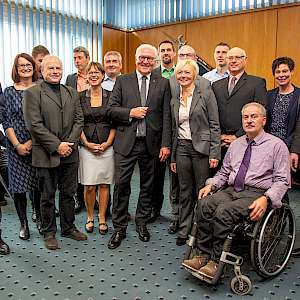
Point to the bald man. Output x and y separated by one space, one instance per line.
54 117
233 92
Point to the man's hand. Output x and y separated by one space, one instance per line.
164 153
138 112
65 149
294 159
258 207
205 191
173 167
213 163
227 139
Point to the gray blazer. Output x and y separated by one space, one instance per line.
204 121
51 122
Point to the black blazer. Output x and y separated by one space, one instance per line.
99 124
72 80
293 113
249 88
50 122
126 96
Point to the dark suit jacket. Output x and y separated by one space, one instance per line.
157 71
72 81
99 125
126 96
51 122
249 88
293 113
204 121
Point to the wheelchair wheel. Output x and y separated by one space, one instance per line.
242 286
273 241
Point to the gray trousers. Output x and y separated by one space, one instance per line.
192 169
217 214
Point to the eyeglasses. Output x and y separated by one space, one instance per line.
188 55
147 58
94 73
230 58
23 66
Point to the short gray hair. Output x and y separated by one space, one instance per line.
187 62
50 57
258 105
145 46
113 53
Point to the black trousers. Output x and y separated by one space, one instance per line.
124 167
218 213
63 177
192 170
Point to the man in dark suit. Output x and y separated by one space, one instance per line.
140 106
79 82
167 54
233 92
54 117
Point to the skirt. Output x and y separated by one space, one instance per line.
96 169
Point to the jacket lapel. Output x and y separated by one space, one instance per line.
136 89
64 94
196 97
152 84
50 94
176 110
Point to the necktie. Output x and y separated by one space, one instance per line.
141 127
239 181
231 85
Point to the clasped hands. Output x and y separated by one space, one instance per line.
258 207
97 148
24 149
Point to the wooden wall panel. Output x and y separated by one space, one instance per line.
114 39
152 36
255 32
288 37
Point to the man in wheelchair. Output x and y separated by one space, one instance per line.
255 173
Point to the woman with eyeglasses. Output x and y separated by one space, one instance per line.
96 156
21 174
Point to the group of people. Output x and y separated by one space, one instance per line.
89 134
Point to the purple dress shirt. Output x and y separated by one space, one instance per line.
269 167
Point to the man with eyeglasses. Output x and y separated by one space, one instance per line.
233 92
251 182
220 57
140 107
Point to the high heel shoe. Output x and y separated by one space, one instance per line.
89 229
24 232
103 231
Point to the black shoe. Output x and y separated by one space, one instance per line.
77 204
180 241
39 225
75 234
24 232
116 239
296 252
143 233
56 212
33 216
173 227
154 216
3 202
4 249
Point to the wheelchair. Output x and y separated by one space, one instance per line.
271 242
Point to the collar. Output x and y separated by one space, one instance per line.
238 76
168 70
189 95
107 78
217 72
258 139
82 75
139 75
